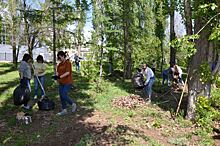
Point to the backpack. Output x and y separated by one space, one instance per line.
138 80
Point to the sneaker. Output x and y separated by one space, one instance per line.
73 107
63 112
27 107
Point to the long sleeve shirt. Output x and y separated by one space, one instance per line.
39 69
148 74
25 70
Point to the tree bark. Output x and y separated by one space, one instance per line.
172 32
188 17
127 43
196 87
54 40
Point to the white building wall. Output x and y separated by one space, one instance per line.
6 53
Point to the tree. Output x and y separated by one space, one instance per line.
188 17
198 84
81 8
160 12
172 32
12 20
127 23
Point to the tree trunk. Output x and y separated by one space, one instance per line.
14 55
196 88
127 45
54 40
162 58
101 58
188 16
172 32
14 49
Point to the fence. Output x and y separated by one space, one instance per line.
47 57
9 57
6 57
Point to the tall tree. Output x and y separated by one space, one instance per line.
197 83
161 13
81 8
127 23
172 31
12 20
188 17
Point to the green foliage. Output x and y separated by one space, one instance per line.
215 100
185 44
205 73
215 33
207 8
206 114
90 70
85 141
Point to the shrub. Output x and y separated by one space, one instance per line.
206 114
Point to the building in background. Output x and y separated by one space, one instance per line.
6 54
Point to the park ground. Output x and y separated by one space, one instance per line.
103 116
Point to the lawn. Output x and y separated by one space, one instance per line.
97 121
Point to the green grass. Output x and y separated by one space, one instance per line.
90 99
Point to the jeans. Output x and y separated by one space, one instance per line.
25 82
63 91
148 87
165 78
78 67
37 84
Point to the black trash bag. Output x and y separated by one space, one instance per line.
138 80
21 95
46 104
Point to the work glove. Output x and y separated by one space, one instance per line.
55 77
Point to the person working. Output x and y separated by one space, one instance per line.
39 73
25 75
150 78
64 78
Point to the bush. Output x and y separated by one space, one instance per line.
206 114
90 70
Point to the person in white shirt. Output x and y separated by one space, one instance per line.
150 78
39 71
177 74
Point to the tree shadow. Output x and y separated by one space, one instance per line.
8 110
6 85
82 132
168 100
6 68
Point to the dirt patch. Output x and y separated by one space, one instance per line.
98 128
102 132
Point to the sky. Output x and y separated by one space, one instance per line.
179 26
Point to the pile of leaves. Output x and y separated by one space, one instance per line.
131 101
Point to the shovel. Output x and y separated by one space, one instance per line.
41 86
